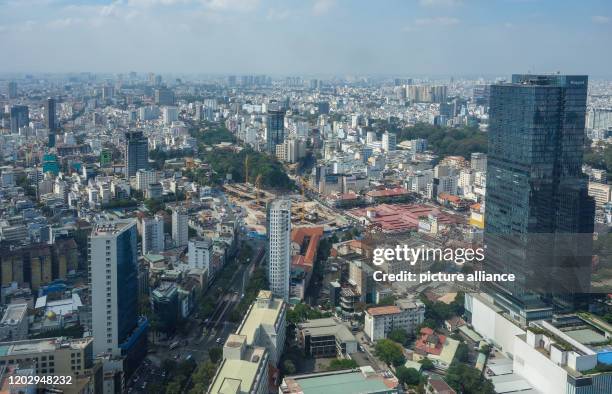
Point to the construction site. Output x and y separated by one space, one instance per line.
253 200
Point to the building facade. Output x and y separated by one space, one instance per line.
539 219
136 152
114 285
180 227
406 315
275 130
153 235
279 248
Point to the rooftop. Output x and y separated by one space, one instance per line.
363 381
36 346
238 376
111 227
402 217
327 326
14 313
384 310
261 313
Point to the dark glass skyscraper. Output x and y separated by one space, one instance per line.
12 89
275 130
20 116
136 153
539 217
50 120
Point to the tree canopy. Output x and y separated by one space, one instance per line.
408 376
390 352
399 335
467 380
446 141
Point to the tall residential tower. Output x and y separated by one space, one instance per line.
279 248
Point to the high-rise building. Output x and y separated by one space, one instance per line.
200 253
180 227
279 248
12 89
481 94
153 235
113 268
478 161
108 92
275 130
389 141
50 120
136 152
144 178
164 96
20 116
323 107
539 217
170 114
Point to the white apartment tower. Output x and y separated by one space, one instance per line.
389 141
153 235
144 178
180 228
200 253
279 248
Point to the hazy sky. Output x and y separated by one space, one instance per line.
406 37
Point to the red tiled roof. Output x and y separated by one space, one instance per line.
441 387
402 217
449 197
314 234
398 191
428 336
384 310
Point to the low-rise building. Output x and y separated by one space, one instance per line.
51 356
264 324
244 369
14 323
600 192
363 380
405 315
326 337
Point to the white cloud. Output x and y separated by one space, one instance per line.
601 19
437 21
231 5
435 3
321 7
63 23
275 14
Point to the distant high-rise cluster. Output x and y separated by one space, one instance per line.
426 93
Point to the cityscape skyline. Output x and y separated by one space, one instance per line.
427 37
306 197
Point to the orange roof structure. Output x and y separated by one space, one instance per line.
312 235
384 310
